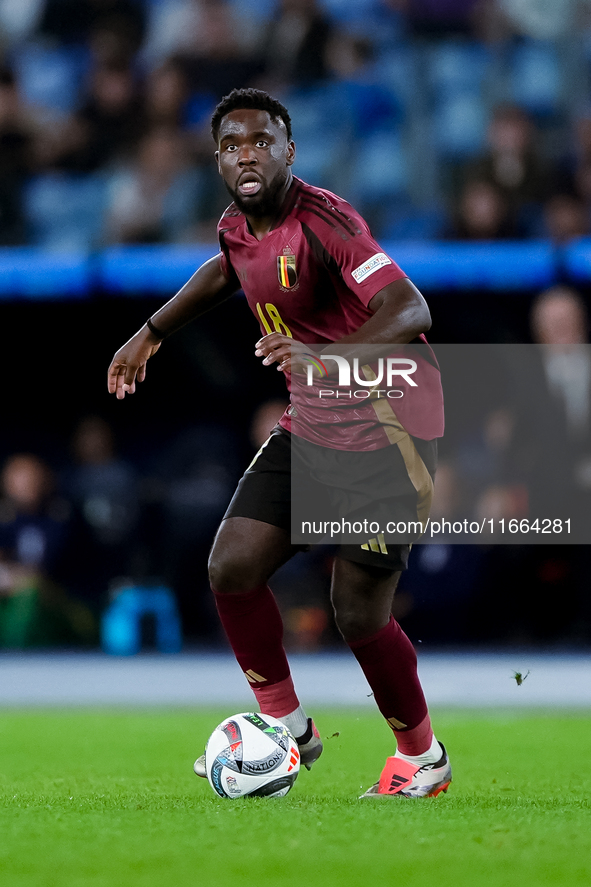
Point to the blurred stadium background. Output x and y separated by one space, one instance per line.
461 129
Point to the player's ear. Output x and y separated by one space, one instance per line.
291 152
217 160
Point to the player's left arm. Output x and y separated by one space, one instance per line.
399 315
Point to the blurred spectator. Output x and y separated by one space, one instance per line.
104 488
565 218
293 46
16 138
500 502
116 31
582 182
444 576
197 473
18 20
572 183
112 115
552 404
532 456
513 162
581 140
347 54
216 45
436 18
35 528
559 317
542 22
139 65
264 420
560 322
573 169
349 60
551 447
481 213
75 21
481 455
167 94
103 131
171 100
201 28
170 27
156 197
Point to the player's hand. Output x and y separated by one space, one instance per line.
129 364
285 352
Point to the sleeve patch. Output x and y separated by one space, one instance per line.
368 268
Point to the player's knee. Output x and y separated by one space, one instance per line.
356 621
231 573
351 624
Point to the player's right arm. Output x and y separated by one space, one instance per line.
206 288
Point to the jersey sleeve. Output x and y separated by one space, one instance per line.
364 266
225 266
224 260
349 249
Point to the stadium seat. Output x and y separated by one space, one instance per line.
459 124
311 109
166 21
535 76
121 624
379 171
456 65
397 68
367 105
51 76
379 22
345 11
456 76
319 160
18 20
263 10
406 222
65 211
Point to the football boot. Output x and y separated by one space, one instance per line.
402 779
310 745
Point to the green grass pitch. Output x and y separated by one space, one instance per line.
102 799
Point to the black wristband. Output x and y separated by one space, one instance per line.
154 329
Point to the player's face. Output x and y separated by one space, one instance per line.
254 160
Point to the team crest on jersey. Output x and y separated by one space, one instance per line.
286 272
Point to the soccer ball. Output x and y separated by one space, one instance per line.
251 754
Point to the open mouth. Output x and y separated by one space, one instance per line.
249 186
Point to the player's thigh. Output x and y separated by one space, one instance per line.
362 596
254 537
246 553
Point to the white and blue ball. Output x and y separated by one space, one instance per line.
251 754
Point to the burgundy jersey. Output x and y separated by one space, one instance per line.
312 278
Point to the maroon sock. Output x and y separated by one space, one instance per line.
254 627
389 662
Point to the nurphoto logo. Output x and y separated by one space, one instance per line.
395 366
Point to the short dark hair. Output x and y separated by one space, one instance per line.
250 98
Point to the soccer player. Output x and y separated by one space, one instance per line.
311 272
